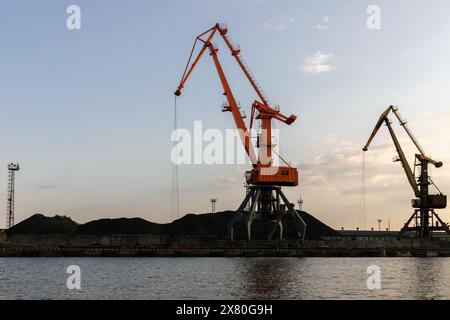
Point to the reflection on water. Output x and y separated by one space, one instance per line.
225 278
267 278
430 278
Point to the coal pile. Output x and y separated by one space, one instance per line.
202 225
40 224
207 224
120 226
316 229
215 224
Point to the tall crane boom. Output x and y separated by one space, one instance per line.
405 126
409 173
235 51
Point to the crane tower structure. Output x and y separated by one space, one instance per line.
425 218
264 199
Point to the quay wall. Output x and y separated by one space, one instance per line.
168 245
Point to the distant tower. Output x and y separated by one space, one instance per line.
213 205
379 224
300 203
12 168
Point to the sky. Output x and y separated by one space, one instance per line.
88 113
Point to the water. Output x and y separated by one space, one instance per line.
225 278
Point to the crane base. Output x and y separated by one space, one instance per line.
423 229
266 203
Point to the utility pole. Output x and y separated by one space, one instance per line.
12 168
300 203
379 224
213 205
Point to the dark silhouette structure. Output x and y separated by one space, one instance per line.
425 218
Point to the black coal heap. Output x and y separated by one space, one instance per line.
209 224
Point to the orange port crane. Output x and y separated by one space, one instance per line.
264 179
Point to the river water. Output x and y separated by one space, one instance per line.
226 278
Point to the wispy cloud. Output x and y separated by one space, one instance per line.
336 175
59 182
52 186
220 184
318 63
279 23
323 24
258 3
227 183
339 169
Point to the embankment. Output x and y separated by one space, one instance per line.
193 235
176 246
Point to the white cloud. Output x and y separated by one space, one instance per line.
279 23
323 24
258 3
318 63
332 184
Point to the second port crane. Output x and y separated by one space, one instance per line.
425 218
264 198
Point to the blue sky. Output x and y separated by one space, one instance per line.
88 113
